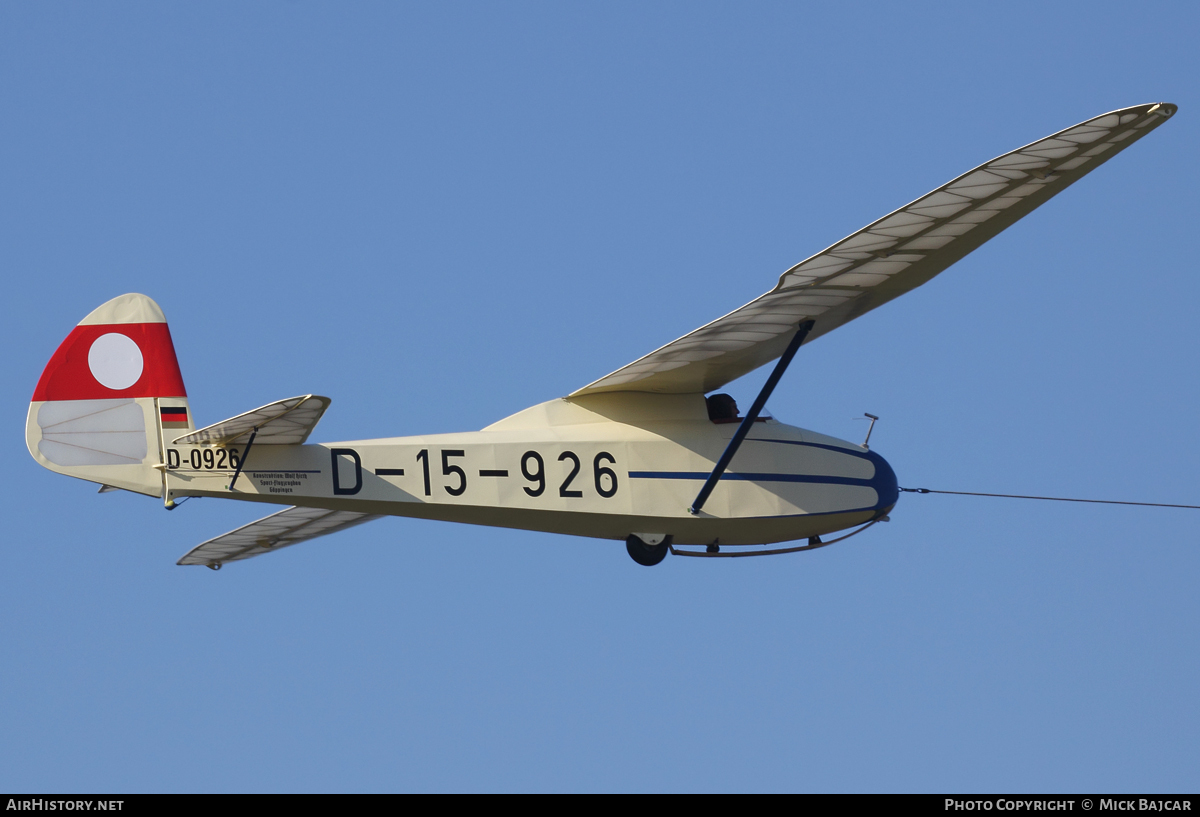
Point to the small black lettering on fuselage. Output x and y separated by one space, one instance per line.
204 459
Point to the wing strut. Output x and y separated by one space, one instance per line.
752 415
242 461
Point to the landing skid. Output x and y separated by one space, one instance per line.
713 551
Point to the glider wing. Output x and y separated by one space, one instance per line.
279 530
286 422
895 254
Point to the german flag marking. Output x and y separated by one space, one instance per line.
173 416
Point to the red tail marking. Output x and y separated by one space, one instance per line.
69 377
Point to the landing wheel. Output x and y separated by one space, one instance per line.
647 555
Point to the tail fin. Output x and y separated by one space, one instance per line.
99 410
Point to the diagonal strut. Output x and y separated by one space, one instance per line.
748 421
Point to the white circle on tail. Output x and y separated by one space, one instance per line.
115 360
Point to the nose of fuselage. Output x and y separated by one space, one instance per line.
887 489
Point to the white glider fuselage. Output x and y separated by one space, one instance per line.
602 466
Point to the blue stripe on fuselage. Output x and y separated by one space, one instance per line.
884 481
702 475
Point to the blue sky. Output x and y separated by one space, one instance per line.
439 214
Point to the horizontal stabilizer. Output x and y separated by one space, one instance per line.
288 527
286 422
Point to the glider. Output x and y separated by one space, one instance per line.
640 455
